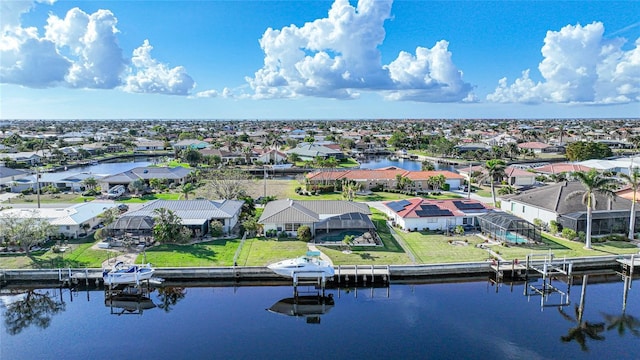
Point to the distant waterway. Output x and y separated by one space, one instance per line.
469 320
407 164
112 167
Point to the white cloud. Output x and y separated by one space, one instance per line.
80 51
579 66
92 40
338 57
154 77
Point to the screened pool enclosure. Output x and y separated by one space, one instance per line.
509 228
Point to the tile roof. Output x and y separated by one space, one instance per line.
561 168
416 207
388 173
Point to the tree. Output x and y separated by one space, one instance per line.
90 183
168 227
427 166
507 190
25 231
192 156
494 170
349 189
582 150
437 182
137 186
593 183
403 182
633 180
251 226
304 233
227 184
187 189
215 228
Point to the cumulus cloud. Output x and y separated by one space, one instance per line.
580 66
80 51
338 57
154 77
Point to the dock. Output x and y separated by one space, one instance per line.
628 265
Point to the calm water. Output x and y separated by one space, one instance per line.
111 168
382 161
473 320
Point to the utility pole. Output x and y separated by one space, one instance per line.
469 183
38 185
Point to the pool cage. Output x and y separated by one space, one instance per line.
602 222
510 228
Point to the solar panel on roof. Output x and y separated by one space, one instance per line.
468 206
429 207
436 212
398 205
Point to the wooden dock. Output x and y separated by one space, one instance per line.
363 273
628 265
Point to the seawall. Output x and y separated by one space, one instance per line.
261 274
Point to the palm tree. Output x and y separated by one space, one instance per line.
633 180
594 183
187 189
494 169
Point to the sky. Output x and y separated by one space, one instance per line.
271 60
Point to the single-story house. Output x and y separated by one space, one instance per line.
8 175
385 177
29 157
536 146
310 151
72 222
559 168
149 145
176 175
324 217
190 144
272 156
195 214
547 203
421 214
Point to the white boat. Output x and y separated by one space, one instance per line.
303 267
127 274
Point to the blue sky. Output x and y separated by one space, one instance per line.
319 59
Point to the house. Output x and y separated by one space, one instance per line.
324 217
225 156
419 214
559 168
272 156
8 175
519 177
384 177
176 175
311 151
550 203
189 144
535 146
149 145
73 221
195 215
29 157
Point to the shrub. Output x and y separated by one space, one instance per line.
215 228
304 233
569 234
554 227
446 187
539 223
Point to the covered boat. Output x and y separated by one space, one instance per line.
127 274
303 267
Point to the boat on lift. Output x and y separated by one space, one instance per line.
308 307
309 266
127 274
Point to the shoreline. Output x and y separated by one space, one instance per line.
259 274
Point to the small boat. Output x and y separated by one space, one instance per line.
127 274
129 304
303 267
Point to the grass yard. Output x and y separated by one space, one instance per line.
435 248
213 253
76 256
565 248
262 251
149 197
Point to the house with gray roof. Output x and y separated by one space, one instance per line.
72 221
8 175
310 151
610 216
195 214
324 217
176 175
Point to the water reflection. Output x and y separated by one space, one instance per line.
31 307
553 294
128 305
170 296
309 307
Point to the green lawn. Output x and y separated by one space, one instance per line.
212 253
435 248
348 163
565 248
76 256
145 198
262 251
